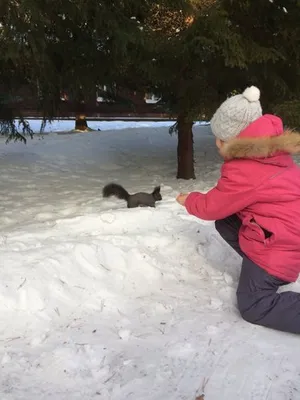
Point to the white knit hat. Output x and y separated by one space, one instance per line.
236 113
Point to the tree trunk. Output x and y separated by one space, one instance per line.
80 121
185 149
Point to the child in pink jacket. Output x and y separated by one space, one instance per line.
256 208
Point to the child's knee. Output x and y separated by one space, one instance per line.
219 225
248 308
249 316
225 231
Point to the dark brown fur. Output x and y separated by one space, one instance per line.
140 199
288 142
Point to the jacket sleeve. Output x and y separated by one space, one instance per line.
228 197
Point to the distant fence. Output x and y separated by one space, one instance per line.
34 114
134 105
103 112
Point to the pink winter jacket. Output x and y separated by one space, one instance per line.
261 184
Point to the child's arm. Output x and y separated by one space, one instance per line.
225 199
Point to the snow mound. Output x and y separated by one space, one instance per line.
103 302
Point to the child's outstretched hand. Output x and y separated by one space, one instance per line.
181 198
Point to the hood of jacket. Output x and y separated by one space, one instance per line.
263 138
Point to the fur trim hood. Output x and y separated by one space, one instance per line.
262 147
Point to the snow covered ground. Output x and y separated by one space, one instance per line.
68 125
99 301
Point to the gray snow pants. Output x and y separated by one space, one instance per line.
257 297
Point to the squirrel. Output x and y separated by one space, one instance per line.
139 199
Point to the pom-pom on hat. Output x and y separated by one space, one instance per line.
236 113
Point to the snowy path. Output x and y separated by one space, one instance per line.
101 302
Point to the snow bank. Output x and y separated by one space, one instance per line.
68 125
103 302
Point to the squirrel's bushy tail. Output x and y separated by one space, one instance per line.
113 189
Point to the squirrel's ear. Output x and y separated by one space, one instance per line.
156 189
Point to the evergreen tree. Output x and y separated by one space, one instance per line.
66 44
192 52
213 48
